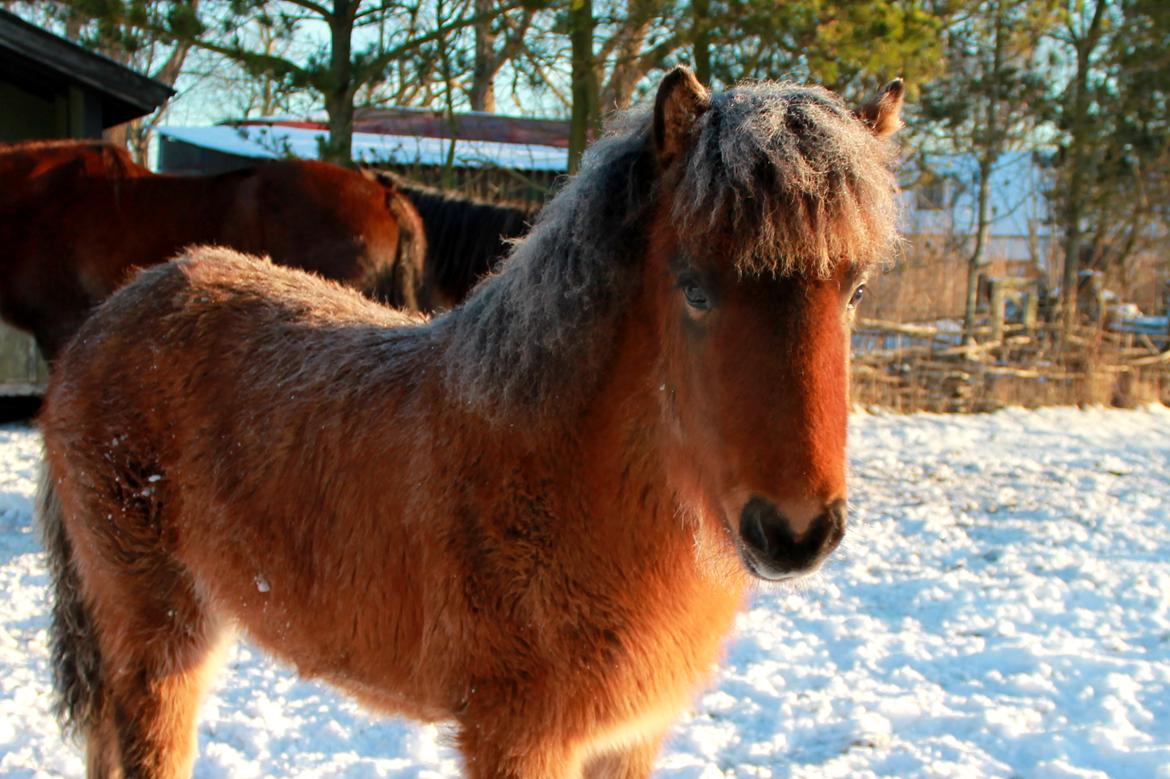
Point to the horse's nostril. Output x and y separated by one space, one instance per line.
770 548
764 528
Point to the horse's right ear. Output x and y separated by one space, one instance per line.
681 101
883 113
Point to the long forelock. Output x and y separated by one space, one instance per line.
784 179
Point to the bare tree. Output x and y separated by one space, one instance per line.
984 104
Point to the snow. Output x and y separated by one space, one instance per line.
1001 607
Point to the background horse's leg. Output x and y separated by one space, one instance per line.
633 762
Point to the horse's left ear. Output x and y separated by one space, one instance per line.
681 101
883 112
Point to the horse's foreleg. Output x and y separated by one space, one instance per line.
103 758
632 762
154 710
491 755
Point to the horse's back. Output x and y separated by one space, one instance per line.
23 163
212 299
334 222
183 335
331 220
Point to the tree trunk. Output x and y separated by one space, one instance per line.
483 93
1072 224
627 69
338 87
975 262
584 90
1079 127
991 141
700 14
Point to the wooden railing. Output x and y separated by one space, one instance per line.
913 367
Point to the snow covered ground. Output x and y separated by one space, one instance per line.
1001 608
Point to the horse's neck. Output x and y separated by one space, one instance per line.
638 517
533 342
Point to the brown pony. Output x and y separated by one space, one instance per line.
77 218
536 515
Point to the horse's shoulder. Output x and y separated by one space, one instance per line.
212 262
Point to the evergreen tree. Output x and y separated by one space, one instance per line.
1113 118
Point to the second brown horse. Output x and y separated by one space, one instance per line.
77 218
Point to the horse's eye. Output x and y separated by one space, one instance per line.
858 294
696 296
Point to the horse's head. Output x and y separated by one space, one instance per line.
773 202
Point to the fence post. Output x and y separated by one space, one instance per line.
997 311
1031 307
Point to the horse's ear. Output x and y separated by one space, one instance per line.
883 112
681 101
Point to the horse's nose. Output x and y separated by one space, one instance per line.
773 550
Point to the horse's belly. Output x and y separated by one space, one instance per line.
389 701
386 680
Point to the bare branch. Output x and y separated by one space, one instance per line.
371 70
309 5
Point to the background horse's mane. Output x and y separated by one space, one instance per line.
53 143
783 178
466 236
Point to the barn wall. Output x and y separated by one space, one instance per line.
27 115
185 159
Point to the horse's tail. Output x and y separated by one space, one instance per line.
403 283
76 661
412 249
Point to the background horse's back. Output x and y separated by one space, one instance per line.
76 219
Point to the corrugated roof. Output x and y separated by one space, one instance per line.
473 125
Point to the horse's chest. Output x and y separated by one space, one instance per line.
651 667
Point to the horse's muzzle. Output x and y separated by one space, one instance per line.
772 551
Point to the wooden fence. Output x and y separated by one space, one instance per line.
926 368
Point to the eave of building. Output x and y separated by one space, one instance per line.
32 53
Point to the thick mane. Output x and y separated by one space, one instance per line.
782 178
786 179
21 147
518 340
